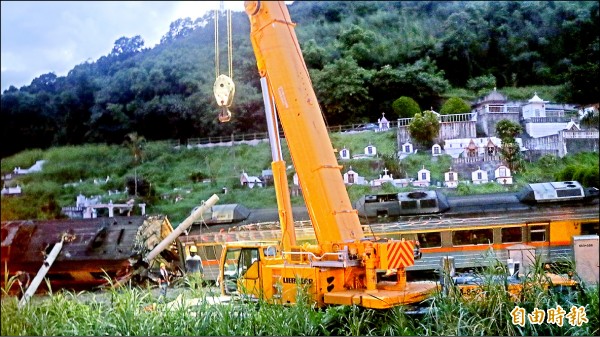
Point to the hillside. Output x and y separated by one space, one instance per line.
361 55
173 180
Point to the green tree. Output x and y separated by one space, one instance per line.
455 105
424 81
357 43
406 107
314 54
46 82
127 46
459 48
483 83
341 88
424 127
178 29
507 130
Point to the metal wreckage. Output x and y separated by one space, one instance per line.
84 254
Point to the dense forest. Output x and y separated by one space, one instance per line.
362 55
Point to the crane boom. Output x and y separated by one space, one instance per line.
280 60
343 267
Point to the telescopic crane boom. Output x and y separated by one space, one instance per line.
342 268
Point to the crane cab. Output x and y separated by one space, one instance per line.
242 267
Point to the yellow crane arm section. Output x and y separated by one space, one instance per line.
280 60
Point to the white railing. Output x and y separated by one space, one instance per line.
580 134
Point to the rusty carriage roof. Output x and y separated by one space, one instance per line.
98 246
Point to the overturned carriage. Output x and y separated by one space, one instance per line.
95 252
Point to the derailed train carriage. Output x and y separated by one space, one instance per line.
95 252
544 216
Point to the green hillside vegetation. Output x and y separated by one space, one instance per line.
361 55
166 174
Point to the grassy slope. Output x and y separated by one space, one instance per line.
169 172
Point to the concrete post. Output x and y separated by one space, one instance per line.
182 227
41 273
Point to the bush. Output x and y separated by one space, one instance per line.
482 83
455 105
406 107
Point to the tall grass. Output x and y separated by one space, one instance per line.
138 311
489 312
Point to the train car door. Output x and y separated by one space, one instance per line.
590 228
211 255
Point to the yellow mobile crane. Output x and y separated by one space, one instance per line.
341 269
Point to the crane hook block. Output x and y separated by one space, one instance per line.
224 90
224 115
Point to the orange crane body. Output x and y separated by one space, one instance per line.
342 269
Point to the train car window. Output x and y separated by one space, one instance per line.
231 270
209 252
202 252
428 203
370 198
410 204
247 258
409 237
568 193
472 237
381 197
512 234
538 233
589 228
394 236
430 240
270 251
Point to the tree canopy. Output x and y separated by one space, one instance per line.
455 105
507 130
424 127
362 56
406 107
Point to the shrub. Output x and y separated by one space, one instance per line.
406 107
455 105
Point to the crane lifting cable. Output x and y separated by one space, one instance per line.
224 88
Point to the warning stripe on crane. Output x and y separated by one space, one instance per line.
400 254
